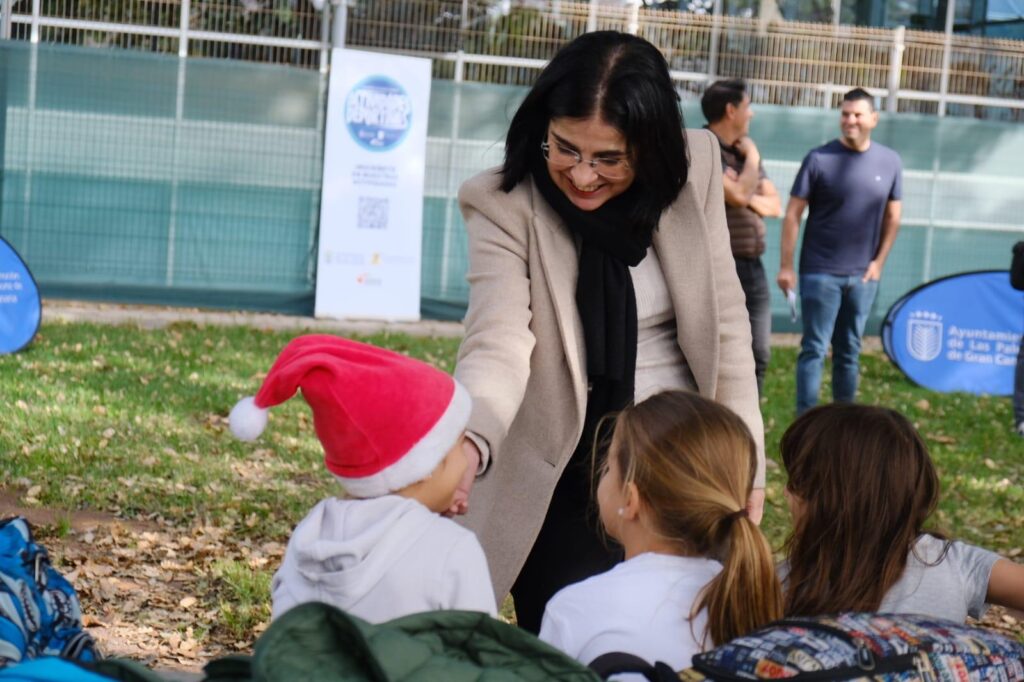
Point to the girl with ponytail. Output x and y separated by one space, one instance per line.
697 572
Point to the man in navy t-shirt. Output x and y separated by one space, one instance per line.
853 188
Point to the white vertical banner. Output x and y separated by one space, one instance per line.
371 206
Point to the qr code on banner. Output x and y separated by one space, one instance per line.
373 213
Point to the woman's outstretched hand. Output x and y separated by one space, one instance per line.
460 502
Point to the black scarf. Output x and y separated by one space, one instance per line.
604 292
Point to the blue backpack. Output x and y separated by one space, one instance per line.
39 611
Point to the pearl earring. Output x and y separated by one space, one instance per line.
621 511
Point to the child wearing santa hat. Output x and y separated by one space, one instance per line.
391 428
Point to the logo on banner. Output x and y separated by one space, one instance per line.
924 335
378 113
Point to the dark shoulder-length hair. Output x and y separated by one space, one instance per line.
866 487
624 80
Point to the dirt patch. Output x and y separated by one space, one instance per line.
149 590
73 520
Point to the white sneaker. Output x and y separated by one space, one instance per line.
1020 429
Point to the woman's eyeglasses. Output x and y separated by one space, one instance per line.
563 158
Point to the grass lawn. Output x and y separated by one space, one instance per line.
132 422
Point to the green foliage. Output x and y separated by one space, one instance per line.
245 596
971 440
132 421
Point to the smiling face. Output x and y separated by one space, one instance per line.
857 120
592 138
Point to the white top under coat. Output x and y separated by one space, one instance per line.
641 607
660 365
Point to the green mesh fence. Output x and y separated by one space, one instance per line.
963 194
135 177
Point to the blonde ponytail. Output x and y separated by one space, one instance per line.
693 462
746 594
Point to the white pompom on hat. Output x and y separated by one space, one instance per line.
385 420
246 420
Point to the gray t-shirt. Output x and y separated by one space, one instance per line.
952 588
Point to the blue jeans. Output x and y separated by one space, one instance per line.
836 308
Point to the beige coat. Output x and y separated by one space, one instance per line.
522 358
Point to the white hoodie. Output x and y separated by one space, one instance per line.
382 558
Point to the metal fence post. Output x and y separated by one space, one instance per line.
947 49
896 68
634 17
592 17
716 18
36 11
5 19
463 23
30 149
316 159
186 9
451 182
340 27
325 37
450 185
172 218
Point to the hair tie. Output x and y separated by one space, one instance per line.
738 514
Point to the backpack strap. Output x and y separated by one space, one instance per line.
618 662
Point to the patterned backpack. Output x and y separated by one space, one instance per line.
863 645
39 610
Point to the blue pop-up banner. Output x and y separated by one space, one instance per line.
20 310
958 333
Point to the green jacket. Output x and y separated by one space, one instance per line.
319 642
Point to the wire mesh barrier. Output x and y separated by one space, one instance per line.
962 203
280 32
144 177
789 63
147 177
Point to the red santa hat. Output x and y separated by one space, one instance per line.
385 421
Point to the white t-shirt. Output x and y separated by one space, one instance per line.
640 607
660 365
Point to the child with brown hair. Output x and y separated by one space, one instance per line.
861 487
697 570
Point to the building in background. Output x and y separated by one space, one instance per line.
989 18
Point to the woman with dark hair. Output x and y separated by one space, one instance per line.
600 273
